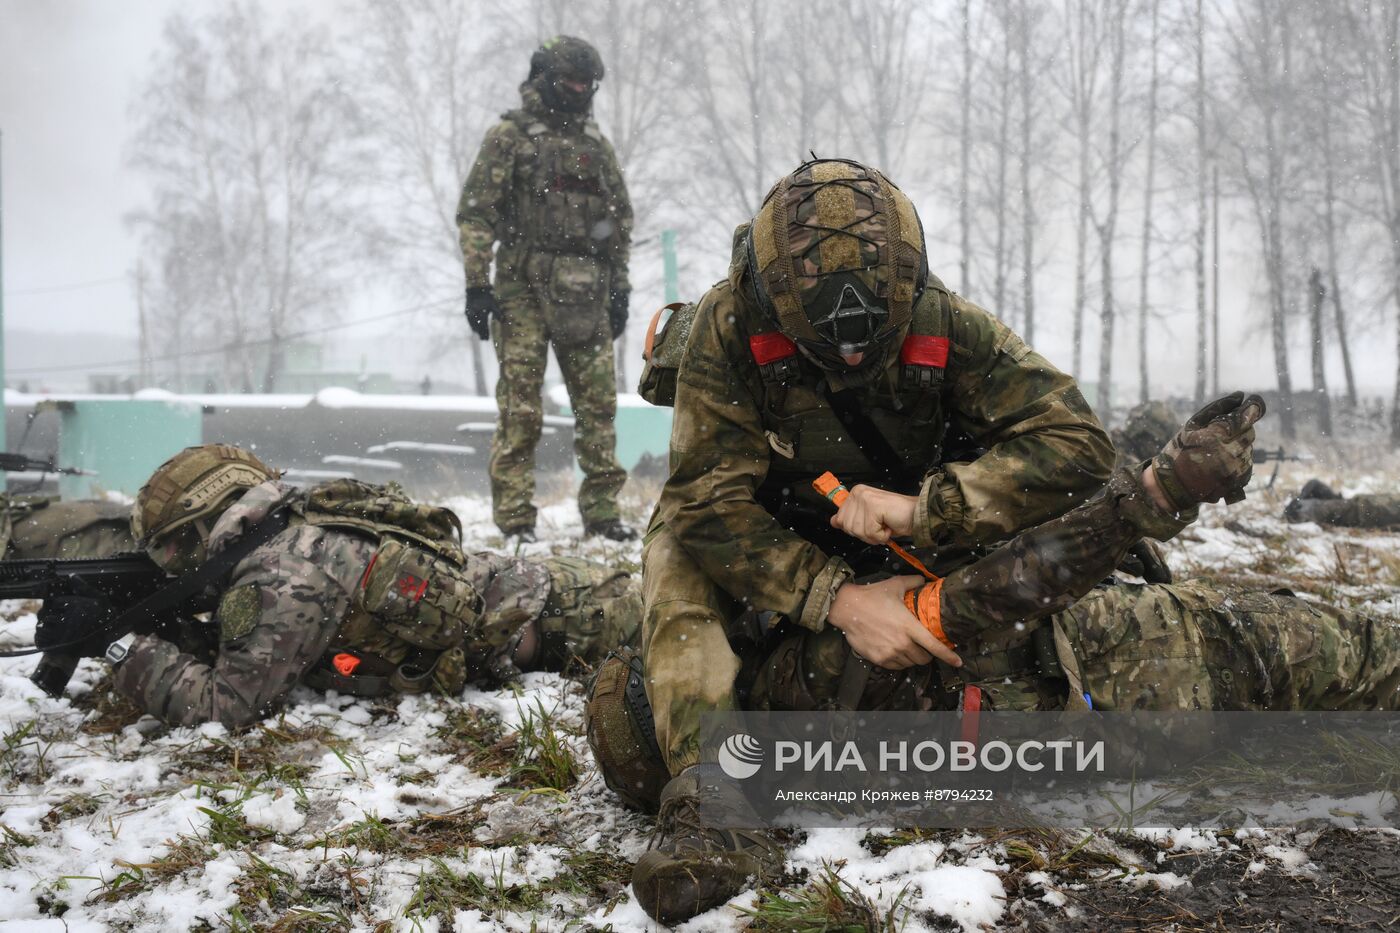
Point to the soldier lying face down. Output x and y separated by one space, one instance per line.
360 590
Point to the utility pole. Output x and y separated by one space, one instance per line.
143 373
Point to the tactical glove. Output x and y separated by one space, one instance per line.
75 625
481 308
1210 457
617 311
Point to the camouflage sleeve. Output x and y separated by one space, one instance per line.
485 201
1049 567
1045 448
275 620
719 457
621 206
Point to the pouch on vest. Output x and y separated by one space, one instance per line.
665 345
416 595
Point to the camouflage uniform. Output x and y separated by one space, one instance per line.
1318 503
546 186
34 527
738 530
1128 646
291 600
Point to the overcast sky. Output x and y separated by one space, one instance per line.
69 69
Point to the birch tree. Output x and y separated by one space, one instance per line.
250 145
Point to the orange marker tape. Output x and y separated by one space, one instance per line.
829 486
924 604
345 663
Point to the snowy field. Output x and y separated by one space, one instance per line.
486 813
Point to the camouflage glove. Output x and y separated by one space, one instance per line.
617 311
481 308
1210 457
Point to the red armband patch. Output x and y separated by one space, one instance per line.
924 351
770 348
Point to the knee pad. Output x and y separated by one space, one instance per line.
622 733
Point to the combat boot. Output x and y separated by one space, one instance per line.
693 867
611 528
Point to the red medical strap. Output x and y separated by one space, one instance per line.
771 347
919 350
971 711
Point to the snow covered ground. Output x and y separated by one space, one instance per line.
485 813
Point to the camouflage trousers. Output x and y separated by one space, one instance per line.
1145 646
591 610
583 346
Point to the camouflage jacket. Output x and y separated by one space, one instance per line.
282 608
543 182
738 447
1048 568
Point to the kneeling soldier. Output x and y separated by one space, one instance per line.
360 590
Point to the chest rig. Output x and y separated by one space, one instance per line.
795 393
416 604
562 198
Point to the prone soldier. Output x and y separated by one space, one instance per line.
1318 502
40 526
547 187
353 587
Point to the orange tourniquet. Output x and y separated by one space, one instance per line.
924 604
828 485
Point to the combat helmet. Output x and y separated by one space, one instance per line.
192 488
837 259
566 70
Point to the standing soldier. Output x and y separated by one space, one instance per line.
546 186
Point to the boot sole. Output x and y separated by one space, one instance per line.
686 891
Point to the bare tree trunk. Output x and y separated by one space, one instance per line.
1317 295
1001 263
1145 273
1108 229
1215 279
1200 202
1330 226
965 160
1028 219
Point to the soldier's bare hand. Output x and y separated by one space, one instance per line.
876 515
881 630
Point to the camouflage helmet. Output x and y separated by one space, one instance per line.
197 483
838 260
1145 432
566 59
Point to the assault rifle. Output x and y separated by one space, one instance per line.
23 463
91 602
85 605
1277 457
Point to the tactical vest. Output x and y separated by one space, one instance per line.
906 406
415 606
562 200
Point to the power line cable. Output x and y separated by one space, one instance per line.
73 287
233 345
